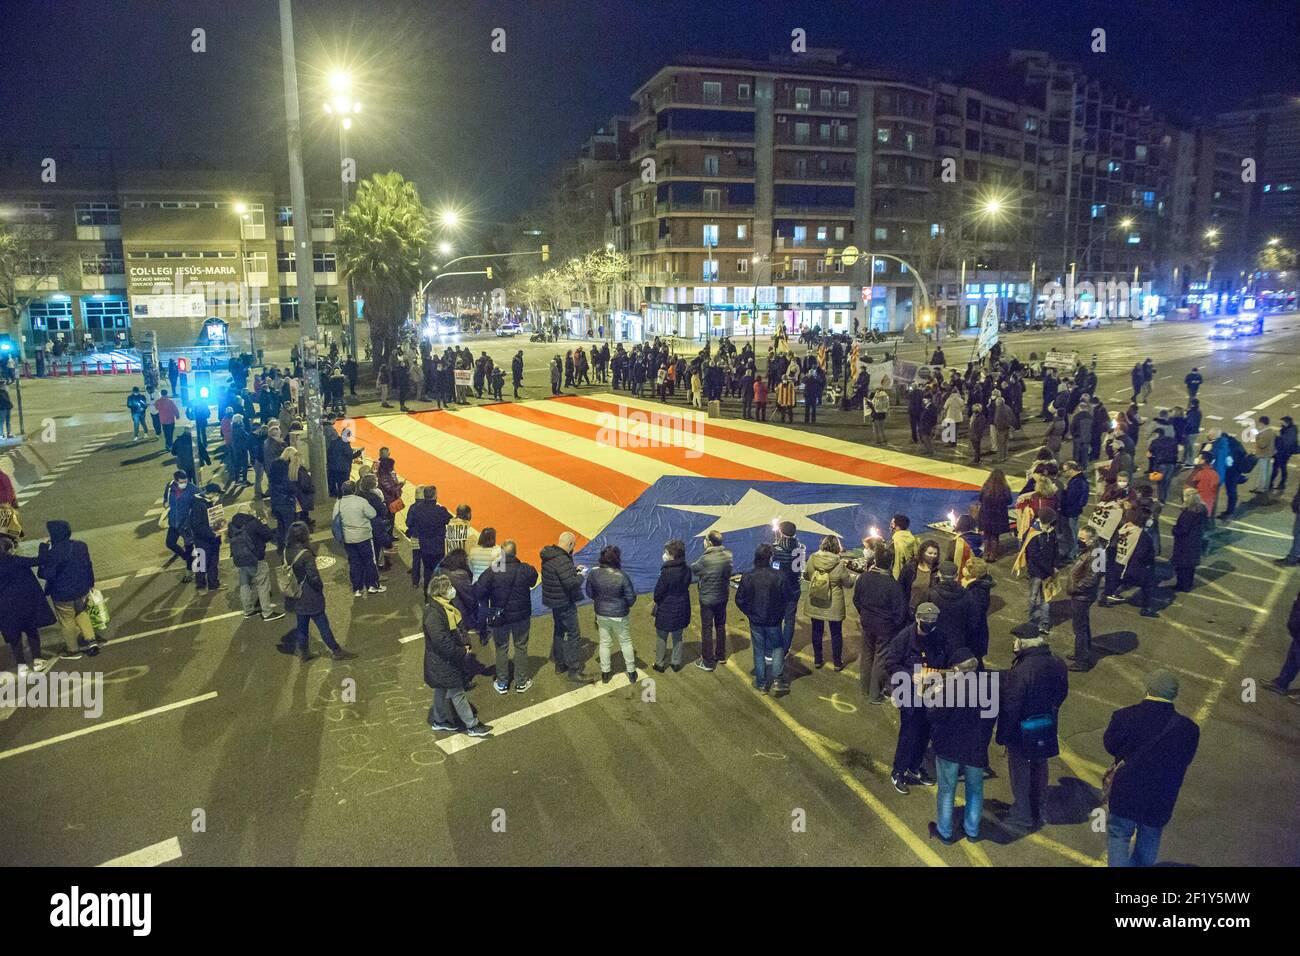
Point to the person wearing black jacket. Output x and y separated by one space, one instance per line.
309 606
517 371
69 577
562 592
1189 532
672 607
26 610
882 609
762 597
1154 746
1032 693
1081 587
339 456
712 574
249 536
205 531
426 525
1281 684
1130 561
960 734
445 658
913 650
956 625
1162 458
508 594
1074 498
1040 565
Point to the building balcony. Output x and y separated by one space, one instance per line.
36 283
835 212
670 207
824 145
701 136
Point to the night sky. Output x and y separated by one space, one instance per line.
485 130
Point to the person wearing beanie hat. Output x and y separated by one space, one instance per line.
1153 745
1039 560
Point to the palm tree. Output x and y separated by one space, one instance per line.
383 243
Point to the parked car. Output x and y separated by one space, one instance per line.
508 328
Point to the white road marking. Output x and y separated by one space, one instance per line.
410 637
155 855
1226 381
1215 418
172 627
95 728
528 715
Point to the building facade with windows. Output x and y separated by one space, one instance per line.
117 252
1267 131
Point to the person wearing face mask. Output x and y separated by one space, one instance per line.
1130 560
445 656
916 646
178 497
920 573
672 607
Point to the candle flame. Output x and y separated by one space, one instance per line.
952 518
874 532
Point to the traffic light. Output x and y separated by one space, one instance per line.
489 272
546 253
203 384
182 365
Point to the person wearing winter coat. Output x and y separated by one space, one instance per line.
1004 419
390 486
26 609
994 504
562 592
979 430
507 587
920 573
975 578
282 483
762 596
611 591
382 524
953 411
339 456
902 542
206 527
956 609
1130 560
354 514
177 498
249 537
445 659
827 578
1031 694
1189 533
309 606
879 411
960 733
69 576
672 607
712 572
914 649
1154 745
426 525
882 609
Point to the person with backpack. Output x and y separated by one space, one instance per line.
1153 745
672 607
207 523
249 536
69 577
827 577
445 657
306 592
1032 693
507 587
712 573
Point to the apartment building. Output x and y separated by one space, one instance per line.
1267 130
122 251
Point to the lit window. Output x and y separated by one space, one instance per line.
1134 239
710 270
880 233
800 233
742 230
839 232
821 233
802 98
712 92
711 235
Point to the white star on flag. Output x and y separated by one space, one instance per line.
756 509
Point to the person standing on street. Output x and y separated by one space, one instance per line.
506 586
1189 536
1265 449
26 609
135 403
1032 693
562 592
1193 381
517 371
827 578
1288 443
712 572
960 734
353 516
339 456
207 523
69 576
1074 498
672 607
762 597
1081 432
1292 557
910 654
426 525
167 415
249 536
178 496
1038 558
1081 588
445 657
882 609
611 591
1281 684
1004 420
1153 745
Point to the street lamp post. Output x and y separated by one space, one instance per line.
342 105
241 210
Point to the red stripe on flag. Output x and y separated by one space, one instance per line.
531 528
874 471
596 479
706 466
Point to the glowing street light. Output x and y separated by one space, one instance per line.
450 218
1211 233
444 248
1126 223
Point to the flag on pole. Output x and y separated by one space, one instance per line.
988 330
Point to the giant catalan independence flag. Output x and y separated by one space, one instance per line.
620 470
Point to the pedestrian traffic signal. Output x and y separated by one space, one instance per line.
546 253
182 365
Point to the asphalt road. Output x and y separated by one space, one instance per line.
214 747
